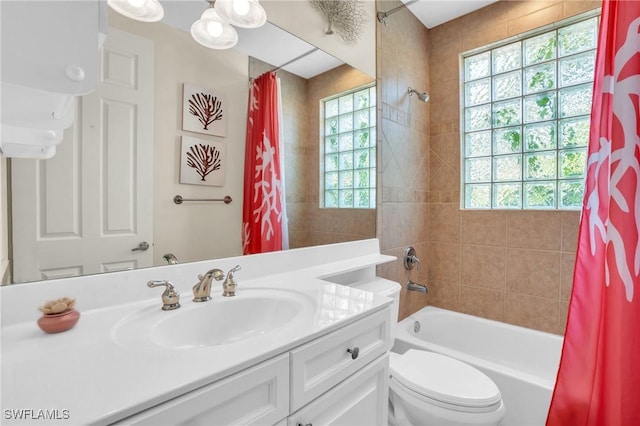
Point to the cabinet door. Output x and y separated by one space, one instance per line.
321 364
362 399
256 396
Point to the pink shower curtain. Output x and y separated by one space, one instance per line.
264 214
599 378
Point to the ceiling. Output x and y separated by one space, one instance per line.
259 42
435 12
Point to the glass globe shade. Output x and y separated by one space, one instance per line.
136 3
254 17
139 10
241 7
213 32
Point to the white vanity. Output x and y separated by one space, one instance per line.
293 347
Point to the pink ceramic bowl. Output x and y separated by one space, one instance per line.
57 323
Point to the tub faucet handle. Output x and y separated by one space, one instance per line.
411 259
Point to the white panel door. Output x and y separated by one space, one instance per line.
85 209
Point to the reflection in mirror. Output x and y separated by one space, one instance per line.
108 192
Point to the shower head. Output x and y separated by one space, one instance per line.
423 96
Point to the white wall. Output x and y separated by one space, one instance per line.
193 231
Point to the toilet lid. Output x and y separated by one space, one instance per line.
444 379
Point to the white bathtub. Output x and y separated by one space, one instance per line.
522 362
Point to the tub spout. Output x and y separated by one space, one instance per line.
422 288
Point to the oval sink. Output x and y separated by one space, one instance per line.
222 321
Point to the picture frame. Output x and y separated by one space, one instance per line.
204 111
202 162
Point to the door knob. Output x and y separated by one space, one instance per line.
141 247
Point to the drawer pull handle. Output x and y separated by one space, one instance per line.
354 352
301 424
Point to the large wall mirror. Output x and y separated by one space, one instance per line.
110 187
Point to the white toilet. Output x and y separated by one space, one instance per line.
426 388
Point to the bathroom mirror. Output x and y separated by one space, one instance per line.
194 230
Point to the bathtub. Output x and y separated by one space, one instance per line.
522 362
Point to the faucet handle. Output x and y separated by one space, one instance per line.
230 284
411 259
170 297
234 269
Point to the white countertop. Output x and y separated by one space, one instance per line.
98 380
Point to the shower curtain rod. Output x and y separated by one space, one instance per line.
382 16
297 58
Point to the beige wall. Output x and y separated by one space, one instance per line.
513 266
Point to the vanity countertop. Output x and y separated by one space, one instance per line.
88 375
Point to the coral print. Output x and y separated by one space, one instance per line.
204 111
206 108
202 162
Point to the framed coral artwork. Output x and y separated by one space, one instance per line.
203 111
202 162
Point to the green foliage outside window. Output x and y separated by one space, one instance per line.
535 138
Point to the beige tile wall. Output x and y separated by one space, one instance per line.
511 266
403 141
308 224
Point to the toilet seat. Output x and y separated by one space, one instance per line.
444 380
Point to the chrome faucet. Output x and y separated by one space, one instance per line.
230 284
202 289
422 288
170 258
170 297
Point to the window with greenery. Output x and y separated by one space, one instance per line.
526 120
348 151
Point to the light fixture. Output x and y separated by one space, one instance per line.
242 13
140 10
212 31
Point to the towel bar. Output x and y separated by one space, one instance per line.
178 199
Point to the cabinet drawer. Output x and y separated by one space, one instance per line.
258 395
320 365
362 399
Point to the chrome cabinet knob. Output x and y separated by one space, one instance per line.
354 352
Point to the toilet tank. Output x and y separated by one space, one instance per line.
365 279
384 287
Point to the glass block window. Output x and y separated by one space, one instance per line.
348 151
526 120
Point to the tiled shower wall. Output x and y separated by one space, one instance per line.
403 141
308 224
513 266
